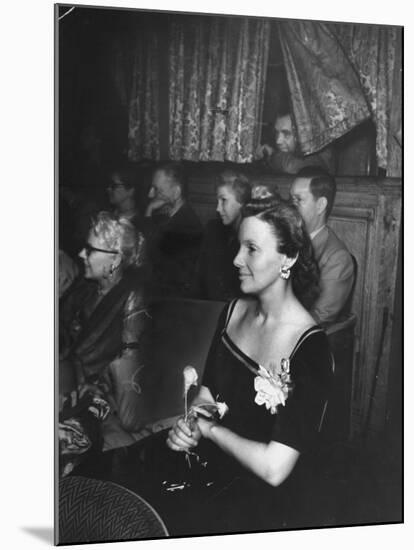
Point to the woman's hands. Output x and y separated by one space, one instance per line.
186 434
205 425
183 435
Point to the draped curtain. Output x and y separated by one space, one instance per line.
136 73
144 101
374 51
217 79
327 99
339 75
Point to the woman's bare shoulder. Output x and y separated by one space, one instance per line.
302 317
243 306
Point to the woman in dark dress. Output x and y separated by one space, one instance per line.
269 363
217 276
270 366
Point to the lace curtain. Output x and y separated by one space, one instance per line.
217 78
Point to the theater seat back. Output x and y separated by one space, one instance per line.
182 333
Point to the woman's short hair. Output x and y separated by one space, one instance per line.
126 174
238 183
293 240
120 234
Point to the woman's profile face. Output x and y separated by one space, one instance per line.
228 207
117 192
97 263
258 260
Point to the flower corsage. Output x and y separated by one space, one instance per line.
273 386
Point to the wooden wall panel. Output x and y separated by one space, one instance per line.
367 217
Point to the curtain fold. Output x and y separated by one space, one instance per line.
136 74
373 51
338 74
217 79
143 133
326 95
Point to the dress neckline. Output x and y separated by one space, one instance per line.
236 350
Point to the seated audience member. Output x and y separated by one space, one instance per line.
68 272
313 192
174 233
121 194
285 157
270 366
103 342
217 276
77 206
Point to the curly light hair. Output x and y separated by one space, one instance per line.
119 234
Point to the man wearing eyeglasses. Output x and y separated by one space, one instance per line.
174 232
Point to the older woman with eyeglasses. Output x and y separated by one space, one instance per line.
104 327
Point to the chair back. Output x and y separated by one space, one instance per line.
91 510
183 330
341 336
341 339
346 310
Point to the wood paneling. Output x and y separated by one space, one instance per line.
367 217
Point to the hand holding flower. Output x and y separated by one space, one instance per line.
197 420
212 410
207 415
184 435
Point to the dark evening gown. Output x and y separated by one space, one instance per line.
218 495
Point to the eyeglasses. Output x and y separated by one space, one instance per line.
89 249
114 185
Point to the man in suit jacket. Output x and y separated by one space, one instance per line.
173 232
313 191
